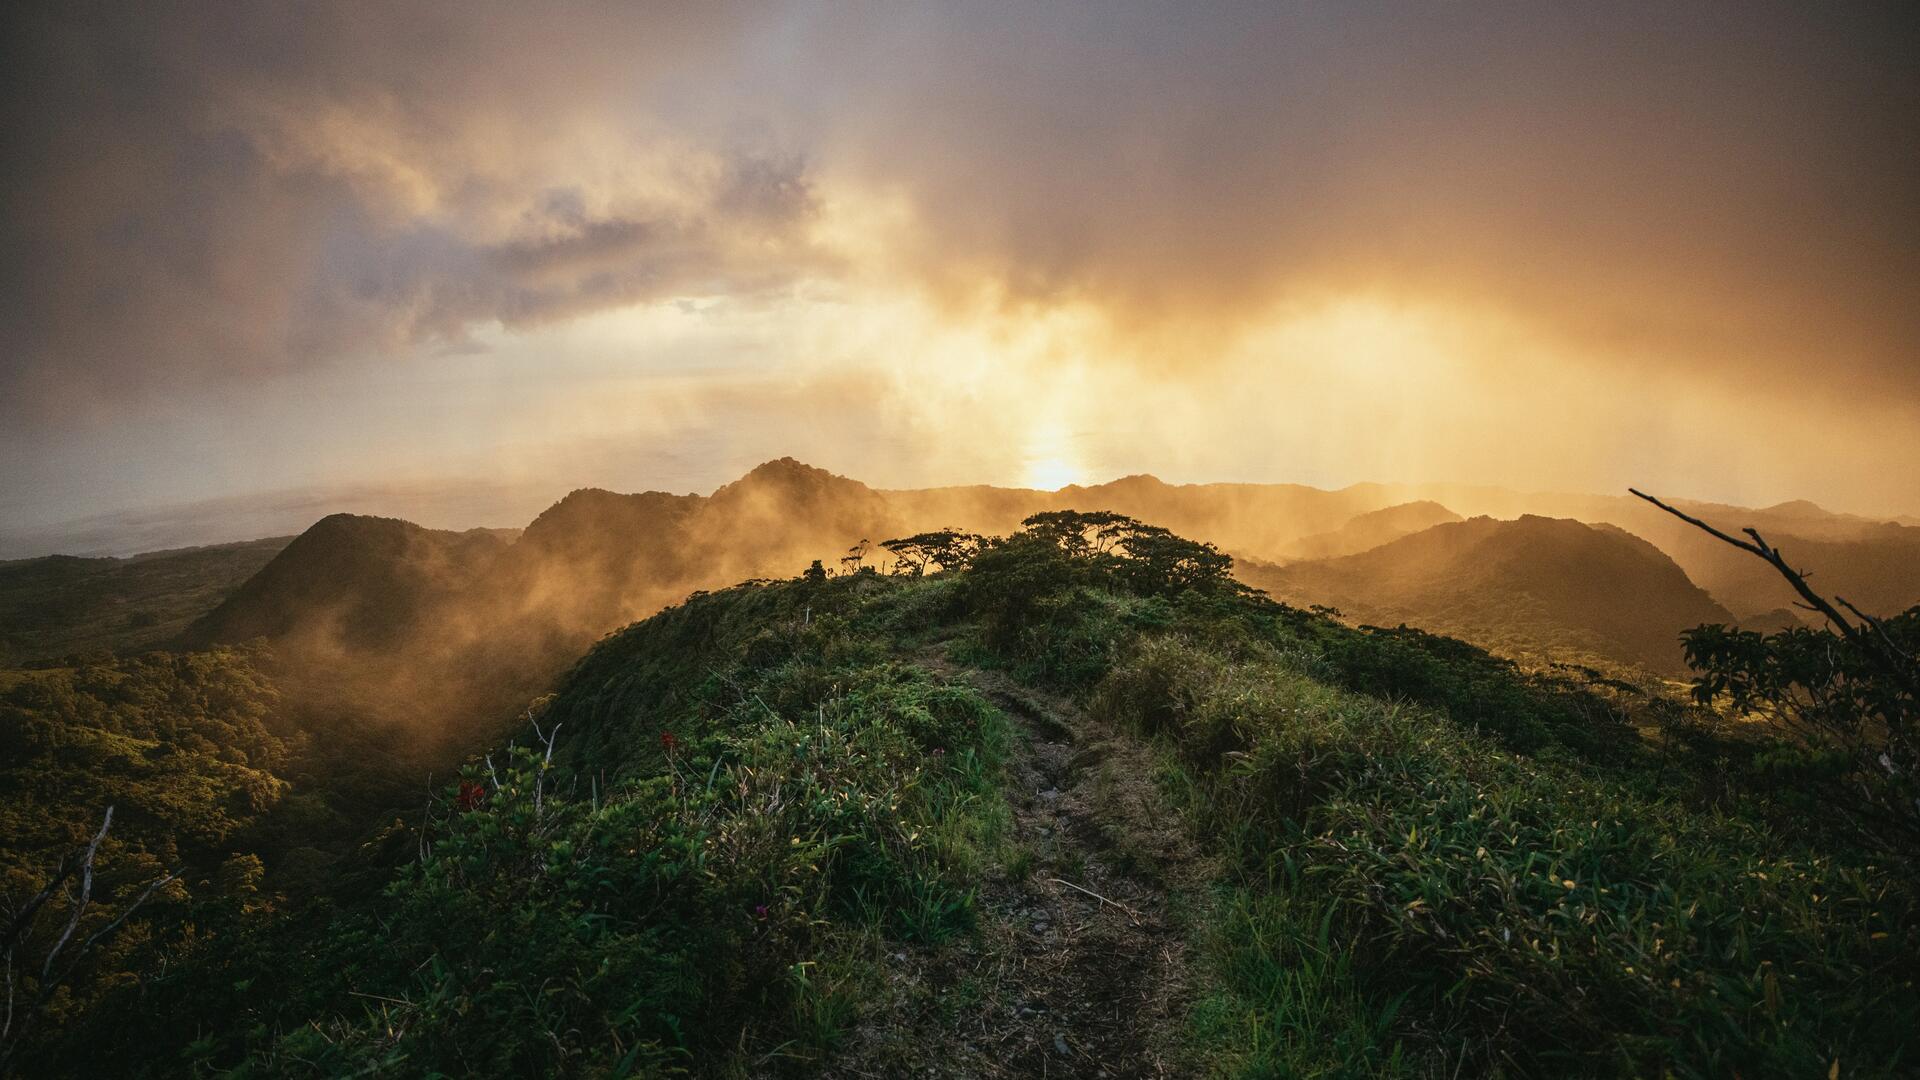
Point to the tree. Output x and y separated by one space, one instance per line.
947 549
850 563
1159 563
1849 694
1081 533
1149 559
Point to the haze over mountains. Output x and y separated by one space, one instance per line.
396 651
424 626
1534 585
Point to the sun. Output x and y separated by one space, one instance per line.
1049 474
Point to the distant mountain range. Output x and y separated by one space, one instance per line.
1543 586
1364 532
1559 577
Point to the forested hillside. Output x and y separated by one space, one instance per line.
57 605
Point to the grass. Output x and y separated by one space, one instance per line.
1409 893
1430 863
764 805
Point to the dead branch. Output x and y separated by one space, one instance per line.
21 924
1772 555
86 892
1891 660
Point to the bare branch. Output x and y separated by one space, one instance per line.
17 929
1880 650
1761 548
1879 625
50 980
86 892
144 896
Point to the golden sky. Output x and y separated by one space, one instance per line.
260 247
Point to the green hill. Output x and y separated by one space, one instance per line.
59 605
1535 587
1078 805
350 582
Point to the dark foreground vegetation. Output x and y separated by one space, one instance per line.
712 848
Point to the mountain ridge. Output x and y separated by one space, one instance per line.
512 612
1551 586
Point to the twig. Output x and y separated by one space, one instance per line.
1879 625
1759 546
110 927
1131 913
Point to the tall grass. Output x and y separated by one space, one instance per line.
1423 893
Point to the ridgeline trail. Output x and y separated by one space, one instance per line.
1079 965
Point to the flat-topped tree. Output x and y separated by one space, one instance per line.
945 549
1148 558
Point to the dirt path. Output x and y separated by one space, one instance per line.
1079 968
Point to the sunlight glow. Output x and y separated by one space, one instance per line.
1049 474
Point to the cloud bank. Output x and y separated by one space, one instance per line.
1711 213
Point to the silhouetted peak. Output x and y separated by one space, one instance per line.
1420 505
787 477
1532 582
351 522
596 516
358 530
1135 482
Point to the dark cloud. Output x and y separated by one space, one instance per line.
212 192
1731 186
226 189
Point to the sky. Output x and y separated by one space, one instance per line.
466 257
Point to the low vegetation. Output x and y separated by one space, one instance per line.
701 852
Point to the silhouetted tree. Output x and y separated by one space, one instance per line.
1850 693
850 563
1081 532
947 549
1147 558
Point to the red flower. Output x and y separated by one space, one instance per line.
668 742
471 795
